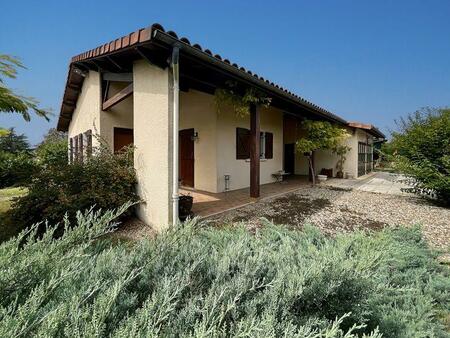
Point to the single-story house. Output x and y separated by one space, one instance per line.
155 90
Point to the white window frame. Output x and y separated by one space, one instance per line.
262 145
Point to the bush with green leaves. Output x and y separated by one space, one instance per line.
105 180
16 169
16 159
421 149
194 281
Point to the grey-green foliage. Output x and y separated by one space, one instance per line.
201 282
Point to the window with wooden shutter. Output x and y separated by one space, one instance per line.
71 150
268 152
80 148
242 143
88 135
75 150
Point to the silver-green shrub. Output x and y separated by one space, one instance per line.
195 281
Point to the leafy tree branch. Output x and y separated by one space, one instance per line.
321 135
11 102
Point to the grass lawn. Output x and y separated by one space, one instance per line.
6 195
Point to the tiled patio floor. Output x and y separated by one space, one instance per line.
207 204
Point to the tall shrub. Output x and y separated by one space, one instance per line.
421 148
106 181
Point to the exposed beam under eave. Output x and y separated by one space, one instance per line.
115 63
119 97
151 58
120 77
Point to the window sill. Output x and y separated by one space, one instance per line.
261 160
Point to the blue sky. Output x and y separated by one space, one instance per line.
371 61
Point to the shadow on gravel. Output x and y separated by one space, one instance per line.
290 210
293 210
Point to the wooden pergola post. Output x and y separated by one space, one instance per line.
254 151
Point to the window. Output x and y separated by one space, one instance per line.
243 144
80 147
268 149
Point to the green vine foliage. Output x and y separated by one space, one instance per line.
321 135
240 103
341 151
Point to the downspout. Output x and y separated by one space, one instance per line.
174 63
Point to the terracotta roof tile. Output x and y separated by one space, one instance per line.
145 34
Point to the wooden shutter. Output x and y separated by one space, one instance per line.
80 147
76 154
88 143
242 143
71 150
269 145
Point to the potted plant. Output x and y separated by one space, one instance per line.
341 151
185 207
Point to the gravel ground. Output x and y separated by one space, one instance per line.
133 229
337 210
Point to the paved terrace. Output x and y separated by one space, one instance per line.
208 204
376 182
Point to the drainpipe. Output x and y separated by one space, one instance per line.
174 63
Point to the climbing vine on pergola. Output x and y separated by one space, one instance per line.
240 103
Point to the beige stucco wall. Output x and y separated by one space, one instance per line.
326 159
215 149
152 140
197 111
87 111
227 164
119 116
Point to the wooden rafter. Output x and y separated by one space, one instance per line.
119 97
121 77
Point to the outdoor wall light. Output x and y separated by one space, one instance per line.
227 182
195 136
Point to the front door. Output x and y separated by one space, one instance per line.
187 157
289 158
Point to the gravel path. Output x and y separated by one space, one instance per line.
337 210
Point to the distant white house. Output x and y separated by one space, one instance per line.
156 91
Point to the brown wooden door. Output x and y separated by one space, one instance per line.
187 157
122 138
289 158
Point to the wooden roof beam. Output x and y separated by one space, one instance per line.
119 97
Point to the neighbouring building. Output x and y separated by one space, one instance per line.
155 90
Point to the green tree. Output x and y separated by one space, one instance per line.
421 150
320 135
11 102
52 136
14 143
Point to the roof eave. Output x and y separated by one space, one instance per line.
250 78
